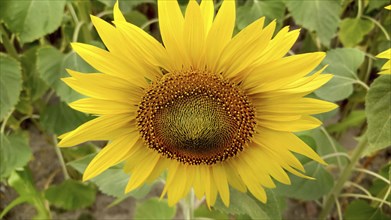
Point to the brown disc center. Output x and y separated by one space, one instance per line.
195 118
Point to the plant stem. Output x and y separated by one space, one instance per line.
9 47
345 175
189 207
60 158
83 9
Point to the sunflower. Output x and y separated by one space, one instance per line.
209 109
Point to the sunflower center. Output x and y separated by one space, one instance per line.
195 118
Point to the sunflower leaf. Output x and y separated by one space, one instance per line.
112 181
14 153
59 118
317 15
32 19
360 209
352 31
10 83
254 10
71 195
154 209
378 111
51 65
243 203
343 64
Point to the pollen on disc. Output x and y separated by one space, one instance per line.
195 118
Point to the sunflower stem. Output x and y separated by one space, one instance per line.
345 175
189 206
61 158
83 9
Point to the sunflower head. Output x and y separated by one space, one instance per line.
211 109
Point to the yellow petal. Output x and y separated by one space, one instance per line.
194 33
301 124
220 33
105 127
143 46
177 187
102 86
276 74
220 178
110 64
109 35
279 46
103 107
140 175
112 154
300 106
118 16
171 29
291 143
385 54
199 184
234 178
245 48
207 11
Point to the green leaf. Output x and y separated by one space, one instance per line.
154 209
60 118
243 203
14 153
33 84
10 83
22 182
354 119
256 9
317 15
202 212
361 210
135 17
32 19
305 189
377 4
113 181
343 64
378 111
51 65
353 30
71 195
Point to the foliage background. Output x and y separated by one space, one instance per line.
41 181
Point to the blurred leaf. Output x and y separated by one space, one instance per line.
243 203
377 4
379 187
378 110
22 182
33 83
60 118
353 30
256 9
317 15
113 181
51 65
10 83
71 195
32 19
343 64
203 212
14 153
326 144
154 209
354 119
135 17
361 210
305 189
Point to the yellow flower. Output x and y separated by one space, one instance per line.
386 68
388 7
212 110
